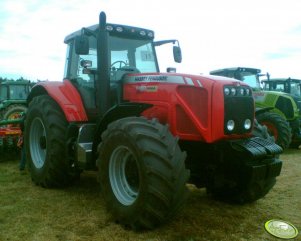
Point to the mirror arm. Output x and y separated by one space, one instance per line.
159 43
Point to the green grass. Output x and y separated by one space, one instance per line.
29 212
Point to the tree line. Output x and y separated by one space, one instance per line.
2 79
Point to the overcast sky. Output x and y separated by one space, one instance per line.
213 34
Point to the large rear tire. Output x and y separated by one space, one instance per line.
277 126
45 143
141 172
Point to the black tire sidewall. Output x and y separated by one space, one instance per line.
116 139
32 114
55 171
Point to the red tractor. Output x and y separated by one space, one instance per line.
146 133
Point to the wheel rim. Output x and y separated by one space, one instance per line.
124 175
37 143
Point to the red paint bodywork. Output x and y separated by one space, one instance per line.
192 105
193 109
68 98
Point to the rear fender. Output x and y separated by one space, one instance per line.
65 95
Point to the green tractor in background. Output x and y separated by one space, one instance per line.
13 95
291 90
277 110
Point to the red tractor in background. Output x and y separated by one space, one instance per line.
146 133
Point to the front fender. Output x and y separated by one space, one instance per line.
260 110
119 111
65 95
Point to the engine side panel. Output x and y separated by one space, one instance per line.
193 106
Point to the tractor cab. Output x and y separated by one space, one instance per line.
13 95
287 85
248 75
292 88
14 90
98 57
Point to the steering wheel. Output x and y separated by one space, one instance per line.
121 64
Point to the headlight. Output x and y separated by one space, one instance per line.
227 91
241 91
230 125
119 29
233 91
247 124
247 91
109 28
150 34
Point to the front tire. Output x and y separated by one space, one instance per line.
141 172
45 143
277 126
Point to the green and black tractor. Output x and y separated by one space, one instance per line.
13 95
290 89
279 110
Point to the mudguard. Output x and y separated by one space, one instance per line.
259 111
119 111
65 95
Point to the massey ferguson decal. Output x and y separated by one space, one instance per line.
156 78
151 78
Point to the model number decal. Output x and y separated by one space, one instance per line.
147 88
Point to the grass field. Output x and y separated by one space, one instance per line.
29 212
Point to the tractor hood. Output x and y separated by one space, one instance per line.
196 107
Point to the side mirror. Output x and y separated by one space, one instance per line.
86 63
81 45
171 70
177 54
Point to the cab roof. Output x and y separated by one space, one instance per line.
116 30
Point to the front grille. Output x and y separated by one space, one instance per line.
238 108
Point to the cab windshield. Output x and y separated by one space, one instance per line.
125 56
250 78
138 54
